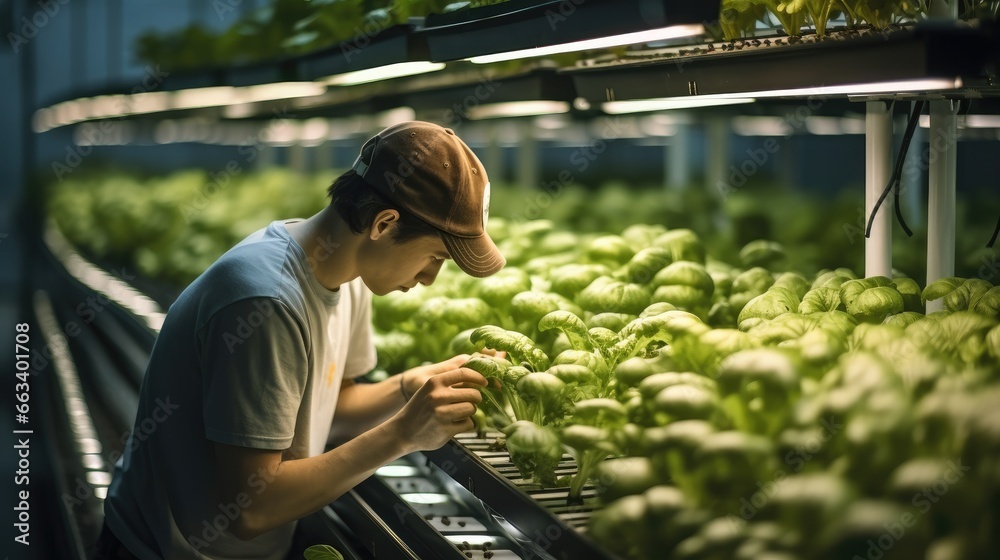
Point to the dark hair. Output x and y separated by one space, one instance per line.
358 203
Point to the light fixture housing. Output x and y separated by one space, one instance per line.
930 59
393 52
522 28
518 109
379 73
636 37
668 103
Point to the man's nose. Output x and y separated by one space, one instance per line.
429 273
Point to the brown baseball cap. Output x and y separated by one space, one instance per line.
431 173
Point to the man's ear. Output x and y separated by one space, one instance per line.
383 224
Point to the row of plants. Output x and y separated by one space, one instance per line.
283 28
291 27
174 226
740 18
729 411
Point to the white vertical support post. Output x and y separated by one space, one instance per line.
878 166
942 157
324 157
717 135
678 171
717 156
527 156
493 160
913 180
297 158
268 156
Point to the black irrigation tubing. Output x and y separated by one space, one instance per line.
996 231
896 173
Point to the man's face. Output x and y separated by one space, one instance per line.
387 266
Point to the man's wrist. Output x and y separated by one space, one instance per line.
402 387
395 432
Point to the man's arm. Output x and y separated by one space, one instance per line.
362 406
282 491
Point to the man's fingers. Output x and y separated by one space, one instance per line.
460 375
456 361
454 395
465 425
493 383
447 365
455 412
493 352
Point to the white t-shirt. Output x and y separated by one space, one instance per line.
251 354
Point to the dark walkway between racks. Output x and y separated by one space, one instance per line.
87 402
98 381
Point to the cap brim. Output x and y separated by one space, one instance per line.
476 256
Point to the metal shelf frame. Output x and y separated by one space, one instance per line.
941 48
930 49
527 24
544 529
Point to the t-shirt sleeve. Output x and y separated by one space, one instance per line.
254 359
361 352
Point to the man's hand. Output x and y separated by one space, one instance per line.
441 408
414 379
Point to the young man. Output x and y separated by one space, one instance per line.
258 353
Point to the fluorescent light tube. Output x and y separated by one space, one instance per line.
968 121
647 36
197 98
668 103
518 109
474 540
397 471
981 121
904 86
147 102
379 73
834 126
708 100
426 498
761 126
279 90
